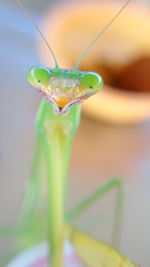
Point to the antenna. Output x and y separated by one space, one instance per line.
99 35
37 28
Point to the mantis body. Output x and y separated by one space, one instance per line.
57 122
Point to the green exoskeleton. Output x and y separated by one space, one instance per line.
57 122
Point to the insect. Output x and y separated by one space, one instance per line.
57 122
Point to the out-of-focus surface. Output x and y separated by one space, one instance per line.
121 56
100 150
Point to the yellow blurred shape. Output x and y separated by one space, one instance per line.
95 253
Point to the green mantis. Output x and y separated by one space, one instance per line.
56 125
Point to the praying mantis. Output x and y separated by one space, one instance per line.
57 122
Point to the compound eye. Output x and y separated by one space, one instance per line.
91 81
39 76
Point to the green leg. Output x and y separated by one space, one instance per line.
12 232
90 200
33 184
22 230
29 235
32 190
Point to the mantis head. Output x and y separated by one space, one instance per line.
64 88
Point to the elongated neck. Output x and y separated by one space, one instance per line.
58 132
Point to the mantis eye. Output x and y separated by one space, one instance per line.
91 81
39 76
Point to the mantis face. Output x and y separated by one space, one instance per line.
64 88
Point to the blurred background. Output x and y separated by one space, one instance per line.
105 146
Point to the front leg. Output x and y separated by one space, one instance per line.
32 190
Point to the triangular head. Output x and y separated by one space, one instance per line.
64 88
